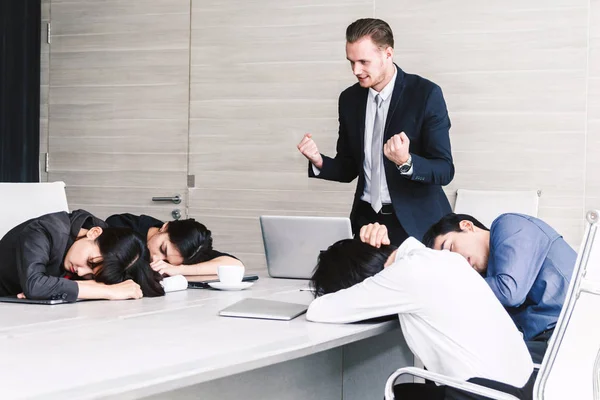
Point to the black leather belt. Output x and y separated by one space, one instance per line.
542 334
386 209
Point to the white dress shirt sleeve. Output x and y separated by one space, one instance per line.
317 171
386 293
376 296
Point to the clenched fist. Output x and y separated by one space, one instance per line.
309 149
396 148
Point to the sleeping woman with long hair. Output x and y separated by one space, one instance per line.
183 247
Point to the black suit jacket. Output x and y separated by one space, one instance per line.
32 255
418 109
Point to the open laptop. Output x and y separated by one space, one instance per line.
264 309
292 244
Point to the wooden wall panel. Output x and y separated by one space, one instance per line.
263 73
592 156
514 77
129 84
119 103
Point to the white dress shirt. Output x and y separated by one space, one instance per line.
449 316
386 96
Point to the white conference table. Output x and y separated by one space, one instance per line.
177 347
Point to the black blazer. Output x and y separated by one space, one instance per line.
417 108
32 255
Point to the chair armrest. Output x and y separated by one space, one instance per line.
445 380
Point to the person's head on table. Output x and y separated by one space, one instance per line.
179 247
181 242
350 261
112 256
462 234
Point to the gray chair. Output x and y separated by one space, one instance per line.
571 366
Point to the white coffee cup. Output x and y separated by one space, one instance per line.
230 274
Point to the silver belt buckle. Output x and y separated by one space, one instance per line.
386 213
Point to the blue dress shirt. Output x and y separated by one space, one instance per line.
529 270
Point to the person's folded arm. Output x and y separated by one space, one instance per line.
214 260
33 256
209 267
515 260
118 291
89 290
378 296
434 164
343 167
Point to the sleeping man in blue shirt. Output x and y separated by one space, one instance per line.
526 263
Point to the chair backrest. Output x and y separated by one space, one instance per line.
568 368
22 201
487 205
597 378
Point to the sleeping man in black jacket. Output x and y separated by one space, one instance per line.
75 256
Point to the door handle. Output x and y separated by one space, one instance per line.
175 199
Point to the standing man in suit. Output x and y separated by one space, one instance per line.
393 135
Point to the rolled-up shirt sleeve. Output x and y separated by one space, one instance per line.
33 255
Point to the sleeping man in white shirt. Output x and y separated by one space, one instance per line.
449 316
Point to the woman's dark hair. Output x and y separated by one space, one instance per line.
125 256
448 223
192 239
346 263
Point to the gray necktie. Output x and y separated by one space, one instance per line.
377 156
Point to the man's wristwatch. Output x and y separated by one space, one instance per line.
404 168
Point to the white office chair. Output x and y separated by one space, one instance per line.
597 377
22 201
572 362
487 205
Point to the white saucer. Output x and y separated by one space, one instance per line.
230 286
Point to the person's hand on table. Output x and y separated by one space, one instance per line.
164 268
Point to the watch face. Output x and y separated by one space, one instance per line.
404 168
